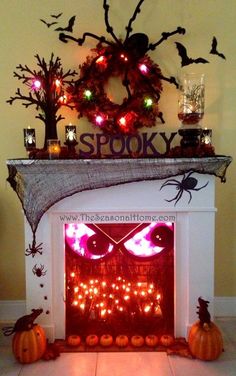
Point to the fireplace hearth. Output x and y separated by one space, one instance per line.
100 233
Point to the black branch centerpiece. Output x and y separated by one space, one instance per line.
48 91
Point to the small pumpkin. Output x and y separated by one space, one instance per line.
137 340
205 339
29 345
151 340
167 340
73 340
106 340
91 340
122 340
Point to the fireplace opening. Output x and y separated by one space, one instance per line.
119 278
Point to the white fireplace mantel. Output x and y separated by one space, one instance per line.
55 192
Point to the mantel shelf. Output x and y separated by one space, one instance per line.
39 184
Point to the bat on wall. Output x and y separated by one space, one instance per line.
214 49
69 27
48 24
56 15
185 60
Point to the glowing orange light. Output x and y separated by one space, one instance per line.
57 83
82 306
75 302
124 57
72 274
147 308
95 290
104 284
126 297
63 99
91 282
76 289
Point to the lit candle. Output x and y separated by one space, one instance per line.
53 149
206 136
29 138
70 134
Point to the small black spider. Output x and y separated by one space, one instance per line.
33 249
39 271
187 184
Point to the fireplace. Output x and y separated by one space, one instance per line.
145 227
119 278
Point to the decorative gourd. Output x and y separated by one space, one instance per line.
106 340
91 340
29 345
205 339
167 340
73 340
122 340
151 340
137 341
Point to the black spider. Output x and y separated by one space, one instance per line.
187 184
39 270
33 249
135 45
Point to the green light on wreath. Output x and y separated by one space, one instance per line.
148 102
88 94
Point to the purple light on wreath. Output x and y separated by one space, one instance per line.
99 120
143 68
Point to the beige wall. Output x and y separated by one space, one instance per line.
22 35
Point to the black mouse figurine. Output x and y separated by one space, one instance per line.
23 323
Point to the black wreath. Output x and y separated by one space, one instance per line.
141 78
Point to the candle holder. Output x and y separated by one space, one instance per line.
54 148
29 138
191 108
71 138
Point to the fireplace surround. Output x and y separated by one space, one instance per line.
58 192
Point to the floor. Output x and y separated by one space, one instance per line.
124 364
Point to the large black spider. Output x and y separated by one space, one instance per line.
187 184
34 249
134 46
39 270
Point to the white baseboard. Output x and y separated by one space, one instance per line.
11 310
225 306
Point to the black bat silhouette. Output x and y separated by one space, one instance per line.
56 15
49 24
188 60
214 49
69 27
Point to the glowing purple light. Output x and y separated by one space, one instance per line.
99 120
143 68
141 244
37 84
77 235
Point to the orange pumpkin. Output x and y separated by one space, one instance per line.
137 341
73 340
106 340
167 340
29 345
122 340
151 340
91 340
205 339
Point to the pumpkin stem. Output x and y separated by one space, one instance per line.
203 314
